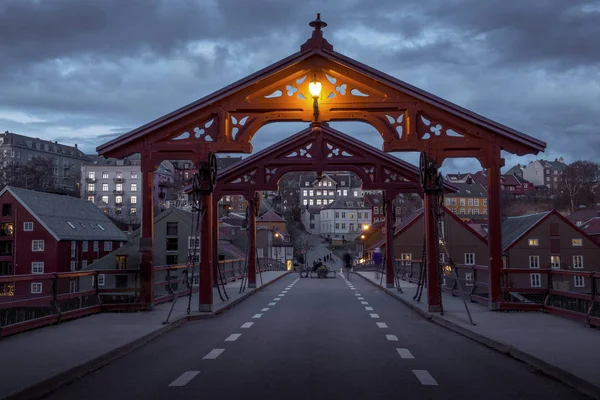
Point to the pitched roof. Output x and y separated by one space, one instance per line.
513 228
592 227
584 214
468 190
510 180
67 218
270 216
345 203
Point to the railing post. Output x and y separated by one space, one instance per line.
55 295
593 293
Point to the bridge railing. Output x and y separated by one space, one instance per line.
36 300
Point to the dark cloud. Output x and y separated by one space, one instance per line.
84 72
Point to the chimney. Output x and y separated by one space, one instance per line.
75 145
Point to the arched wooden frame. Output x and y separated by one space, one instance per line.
319 149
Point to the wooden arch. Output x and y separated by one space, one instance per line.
319 149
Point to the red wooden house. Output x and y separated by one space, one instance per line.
42 233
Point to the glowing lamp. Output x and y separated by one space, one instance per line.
314 88
276 235
362 236
366 227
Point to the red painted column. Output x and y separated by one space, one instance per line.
433 285
251 244
389 242
494 235
206 256
215 241
147 238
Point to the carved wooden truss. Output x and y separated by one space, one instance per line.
320 149
407 118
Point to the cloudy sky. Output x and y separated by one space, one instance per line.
83 71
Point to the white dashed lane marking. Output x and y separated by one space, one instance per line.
214 353
257 316
405 353
184 378
357 294
374 315
424 377
382 325
361 298
393 338
233 337
277 299
369 308
364 303
265 309
272 304
247 324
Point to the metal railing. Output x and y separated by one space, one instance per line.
36 300
567 293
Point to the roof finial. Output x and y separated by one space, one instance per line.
317 23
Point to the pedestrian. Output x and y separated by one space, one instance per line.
347 264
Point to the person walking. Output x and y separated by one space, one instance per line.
347 265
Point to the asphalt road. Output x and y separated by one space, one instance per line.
315 339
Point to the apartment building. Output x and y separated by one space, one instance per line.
468 201
344 219
315 192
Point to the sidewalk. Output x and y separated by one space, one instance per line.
559 347
39 361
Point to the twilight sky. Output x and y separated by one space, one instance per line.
85 71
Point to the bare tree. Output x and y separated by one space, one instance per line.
580 179
302 245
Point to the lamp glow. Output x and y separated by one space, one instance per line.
276 235
314 88
366 227
362 236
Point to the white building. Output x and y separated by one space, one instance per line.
544 173
315 192
344 219
311 218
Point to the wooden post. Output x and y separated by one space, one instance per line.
206 256
215 242
252 243
434 300
147 238
494 232
389 243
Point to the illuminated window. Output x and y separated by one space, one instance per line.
534 242
555 262
577 242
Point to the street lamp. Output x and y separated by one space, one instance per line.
366 227
362 236
276 235
314 88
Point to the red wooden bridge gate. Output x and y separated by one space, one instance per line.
316 85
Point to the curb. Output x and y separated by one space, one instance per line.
553 371
57 382
200 316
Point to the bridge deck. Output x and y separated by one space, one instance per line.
315 339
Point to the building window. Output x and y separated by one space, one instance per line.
95 245
337 225
579 281
555 262
91 199
119 200
448 201
193 242
355 193
134 175
101 279
73 266
470 202
36 287
311 202
469 258
345 192
476 202
104 174
535 280
172 244
319 193
534 261
577 242
534 242
28 226
305 202
134 187
84 246
195 258
311 193
37 245
37 267
343 225
172 228
462 211
92 174
133 200
171 259
577 261
462 202
343 215
406 256
6 210
104 199
108 246
337 214
318 202
485 202
83 264
105 187
453 201
133 210
119 187
305 193
121 262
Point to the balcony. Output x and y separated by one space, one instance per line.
118 180
119 203
90 180
90 192
118 192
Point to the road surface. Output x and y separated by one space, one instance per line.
315 339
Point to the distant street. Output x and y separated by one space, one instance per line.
315 339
